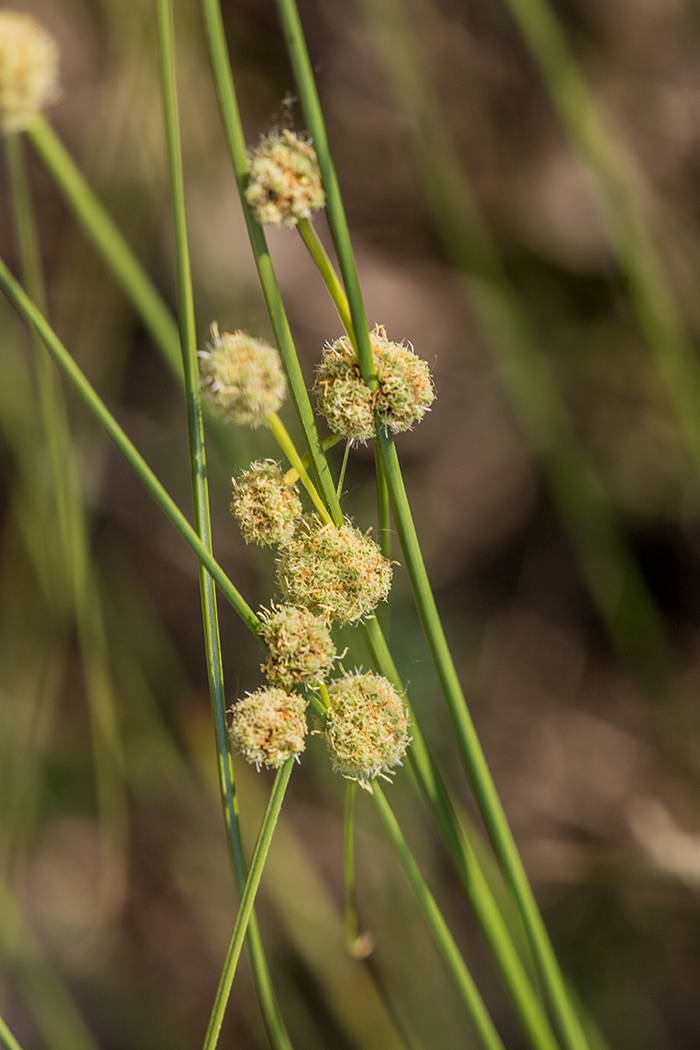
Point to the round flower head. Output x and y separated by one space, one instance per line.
28 70
268 727
284 182
301 647
404 395
366 727
242 378
338 573
266 505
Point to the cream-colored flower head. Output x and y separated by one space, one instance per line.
338 573
268 727
242 378
284 181
301 647
404 395
28 70
266 505
367 726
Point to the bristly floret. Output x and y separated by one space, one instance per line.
404 395
241 377
338 573
266 505
367 726
268 727
300 644
28 70
284 181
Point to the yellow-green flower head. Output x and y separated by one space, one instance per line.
367 726
337 573
404 395
266 505
268 727
242 378
301 647
28 70
284 181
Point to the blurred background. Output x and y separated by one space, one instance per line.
547 268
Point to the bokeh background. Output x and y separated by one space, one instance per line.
483 239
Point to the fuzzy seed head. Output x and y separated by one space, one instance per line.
404 395
28 70
301 647
241 377
268 727
266 505
367 726
284 181
337 573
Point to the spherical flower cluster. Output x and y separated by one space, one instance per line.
366 727
266 505
404 395
338 573
301 647
28 70
268 727
242 378
284 182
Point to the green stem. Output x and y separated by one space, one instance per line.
233 129
200 491
351 926
473 756
343 468
26 308
281 436
6 1037
245 907
438 927
326 269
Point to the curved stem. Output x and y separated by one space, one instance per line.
281 436
326 269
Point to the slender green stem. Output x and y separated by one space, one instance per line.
281 436
444 940
245 907
383 507
233 129
473 756
200 490
343 468
351 926
6 1037
326 269
26 308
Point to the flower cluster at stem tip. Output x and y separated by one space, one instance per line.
284 181
300 644
28 70
266 505
366 727
336 572
241 377
405 392
268 727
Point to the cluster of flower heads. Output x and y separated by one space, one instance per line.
366 726
405 392
28 70
284 182
241 377
269 726
265 504
300 644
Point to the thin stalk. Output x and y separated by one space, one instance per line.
245 907
281 436
343 468
26 308
6 1037
351 925
233 129
384 533
326 269
473 756
200 492
108 240
444 940
73 535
